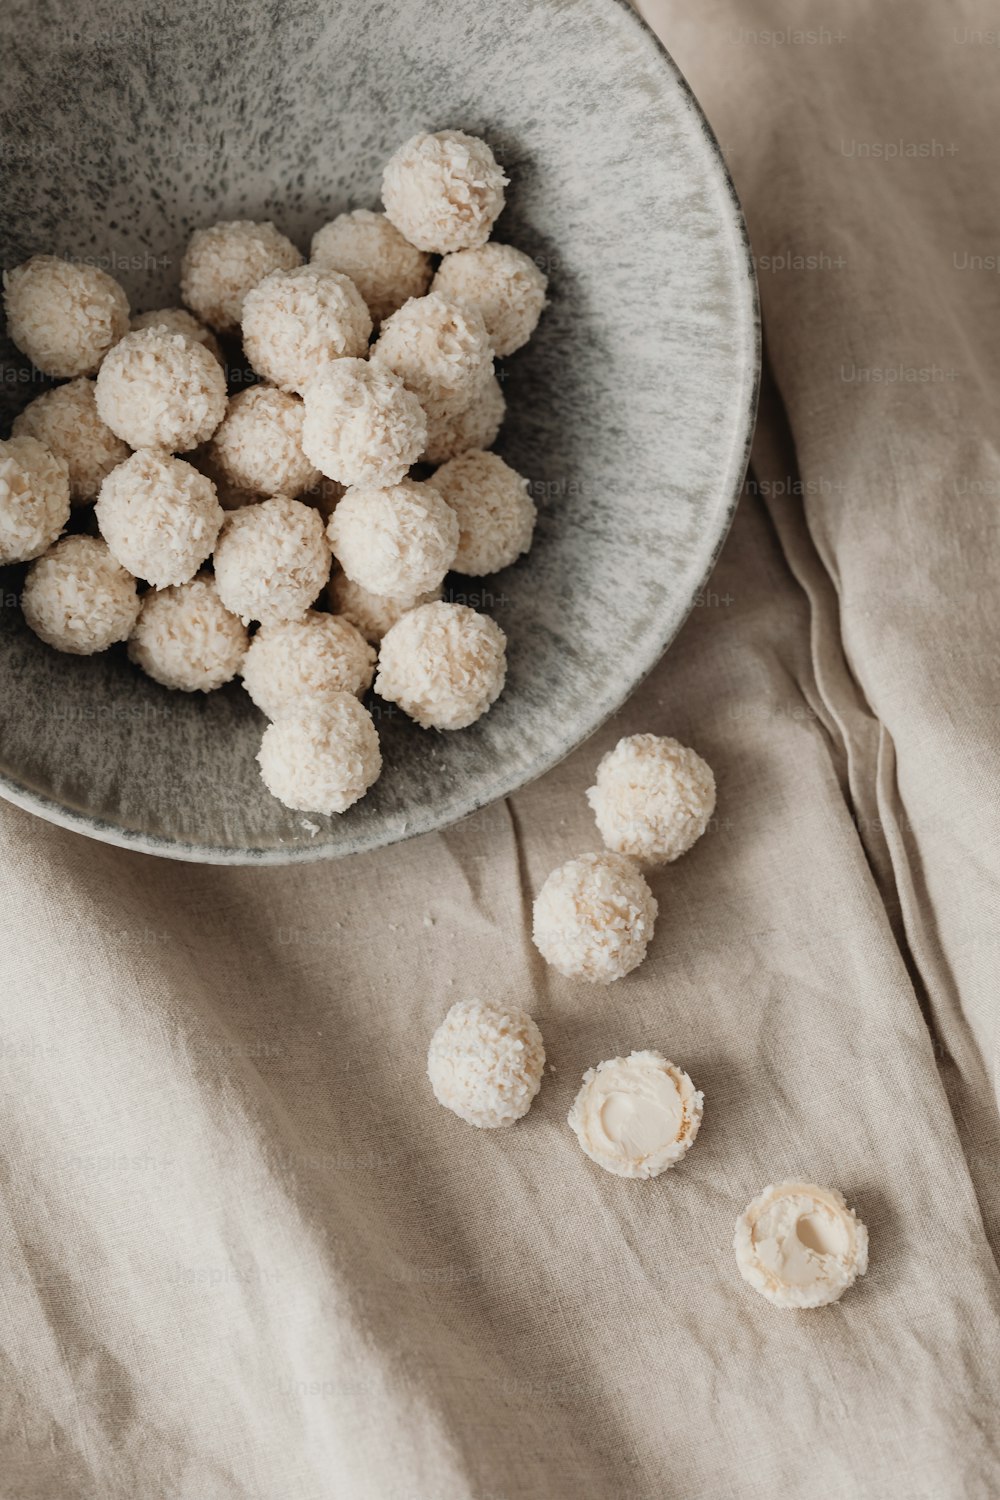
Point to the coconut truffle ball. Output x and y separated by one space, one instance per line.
398 541
158 389
323 757
65 420
291 663
159 516
504 286
385 268
257 448
444 191
34 498
441 351
295 322
485 1063
496 515
373 614
78 599
186 639
636 1116
450 432
223 263
444 665
64 317
593 918
271 560
179 320
799 1245
653 798
362 426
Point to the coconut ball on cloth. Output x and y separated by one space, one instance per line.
505 287
653 798
443 191
450 431
373 614
322 757
257 447
158 389
496 515
399 541
34 498
800 1246
386 269
485 1063
223 263
438 349
295 322
66 421
77 598
636 1116
292 663
186 639
594 917
159 517
179 320
362 426
271 560
444 664
64 316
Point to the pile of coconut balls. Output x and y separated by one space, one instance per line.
297 533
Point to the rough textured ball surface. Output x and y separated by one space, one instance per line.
485 1063
63 316
444 664
385 268
179 320
373 614
257 448
186 639
322 758
271 560
636 1116
451 432
441 351
444 191
399 541
225 262
294 663
66 422
800 1245
78 599
362 426
496 515
593 918
653 798
158 389
159 516
504 286
34 498
295 322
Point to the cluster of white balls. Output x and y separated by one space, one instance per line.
224 529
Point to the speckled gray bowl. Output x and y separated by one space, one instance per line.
124 127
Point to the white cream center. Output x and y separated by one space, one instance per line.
796 1239
639 1116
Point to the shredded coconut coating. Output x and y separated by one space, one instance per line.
444 191
441 351
373 614
362 426
158 389
485 1063
653 798
63 316
65 420
271 560
159 516
225 262
186 639
800 1246
593 918
34 498
636 1116
257 448
444 664
179 320
505 287
78 599
321 758
295 322
451 432
292 664
399 541
496 515
385 268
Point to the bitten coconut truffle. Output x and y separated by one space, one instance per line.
293 663
485 1063
66 421
295 322
636 1116
362 426
223 263
385 268
78 599
593 918
450 432
179 320
441 351
398 541
653 798
496 515
444 664
373 614
34 498
63 316
257 448
321 758
158 389
504 286
444 191
272 559
800 1245
159 516
186 639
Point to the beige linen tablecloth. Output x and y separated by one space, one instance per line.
245 1254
